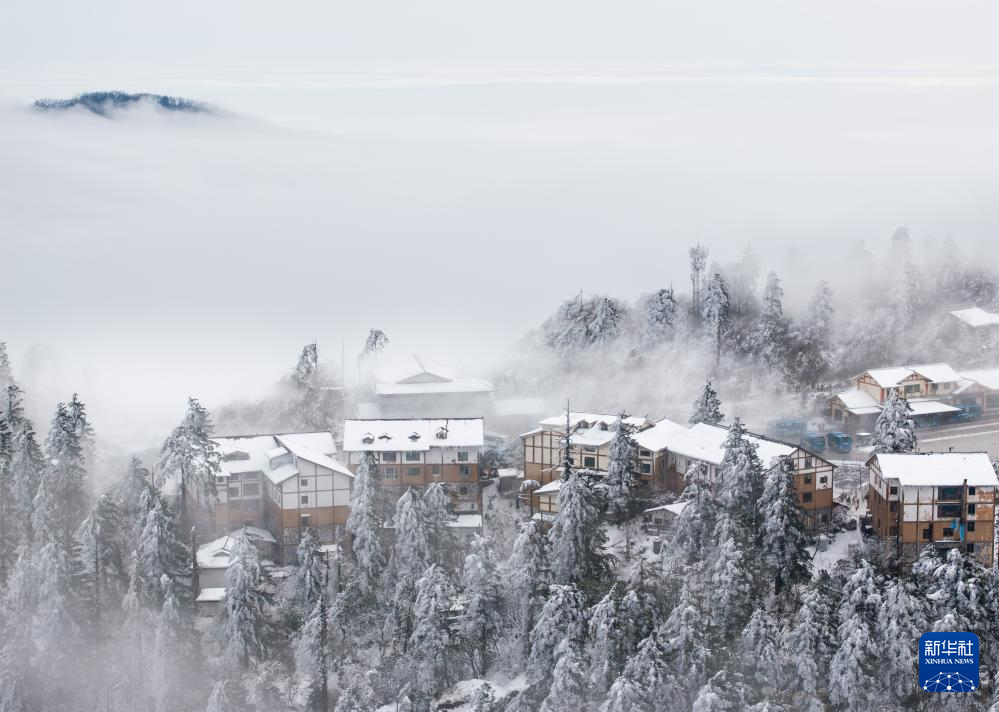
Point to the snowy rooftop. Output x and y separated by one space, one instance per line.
673 508
659 435
933 372
988 377
976 317
714 438
551 488
459 385
888 377
217 554
466 521
859 402
576 418
936 469
411 434
937 372
211 595
417 374
258 453
927 407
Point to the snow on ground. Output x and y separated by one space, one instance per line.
461 696
839 548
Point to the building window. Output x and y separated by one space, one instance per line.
643 484
233 492
589 448
808 479
646 468
911 388
390 473
589 462
971 491
251 505
948 533
303 483
435 470
949 493
305 499
971 510
927 534
893 506
892 491
463 490
413 472
465 471
412 456
892 531
971 526
304 520
388 457
645 453
948 511
251 489
806 497
824 480
808 463
970 547
463 456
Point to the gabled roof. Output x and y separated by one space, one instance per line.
418 434
218 553
936 372
591 419
976 317
859 402
659 435
938 469
265 454
887 377
921 406
987 377
932 372
417 374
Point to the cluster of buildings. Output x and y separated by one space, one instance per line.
933 390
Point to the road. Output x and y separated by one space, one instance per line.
983 435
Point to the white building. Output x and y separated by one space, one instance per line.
421 388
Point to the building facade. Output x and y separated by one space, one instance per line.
940 499
418 452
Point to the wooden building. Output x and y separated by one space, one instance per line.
417 452
941 499
285 483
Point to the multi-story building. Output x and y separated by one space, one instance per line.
284 483
417 452
941 499
420 388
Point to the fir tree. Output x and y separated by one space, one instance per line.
526 579
570 689
364 526
693 534
431 638
853 678
244 607
563 617
101 539
770 338
807 645
740 477
620 478
17 604
698 262
191 457
6 372
707 407
64 479
902 618
9 515
716 314
481 621
782 537
894 430
658 315
576 536
158 553
26 461
313 650
311 574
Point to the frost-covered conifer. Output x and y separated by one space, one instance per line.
525 578
101 539
311 573
562 617
716 314
481 621
244 606
707 407
853 673
576 536
620 478
431 638
191 457
808 643
570 688
364 527
894 430
6 372
740 477
657 312
901 619
26 460
782 537
770 337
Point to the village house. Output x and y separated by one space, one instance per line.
943 499
284 483
420 388
665 451
418 452
215 557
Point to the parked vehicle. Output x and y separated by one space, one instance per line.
816 442
972 409
788 428
840 442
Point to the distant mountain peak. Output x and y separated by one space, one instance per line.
103 103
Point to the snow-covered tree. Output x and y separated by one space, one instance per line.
707 407
657 312
693 533
64 477
770 337
56 631
760 650
782 537
563 617
411 553
6 372
731 576
10 530
902 618
159 552
431 638
101 539
481 621
172 653
807 644
17 604
809 344
617 624
310 577
894 430
570 688
364 526
442 544
375 343
698 261
716 314
526 580
191 456
576 536
581 323
620 478
26 460
218 701
313 649
244 606
854 677
740 476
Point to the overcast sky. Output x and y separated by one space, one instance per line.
449 171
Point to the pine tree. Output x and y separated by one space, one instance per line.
191 457
698 261
17 604
64 479
620 478
576 536
808 358
760 651
894 430
81 428
808 643
526 579
364 527
740 477
431 638
707 407
606 650
173 650
731 576
158 553
56 631
853 677
901 619
562 617
311 573
26 461
442 545
131 489
481 621
9 515
313 650
101 539
6 372
313 406
245 605
782 537
693 533
658 315
770 338
716 314
570 689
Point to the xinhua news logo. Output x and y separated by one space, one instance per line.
948 662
